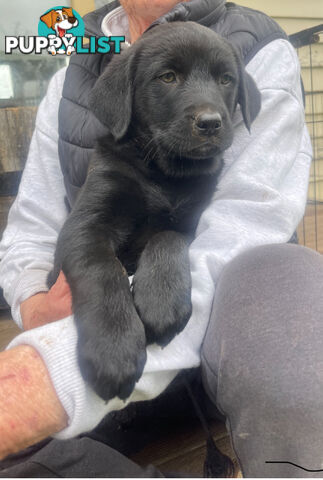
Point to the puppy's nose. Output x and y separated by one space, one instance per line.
208 123
72 20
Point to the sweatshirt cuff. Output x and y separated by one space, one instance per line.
28 284
56 343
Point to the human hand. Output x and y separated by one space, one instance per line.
48 306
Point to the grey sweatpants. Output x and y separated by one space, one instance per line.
262 359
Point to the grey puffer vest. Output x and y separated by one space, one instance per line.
247 29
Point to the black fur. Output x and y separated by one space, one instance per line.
147 185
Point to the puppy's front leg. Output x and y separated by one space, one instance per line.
111 336
162 286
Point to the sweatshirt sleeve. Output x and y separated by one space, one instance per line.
262 192
260 199
38 212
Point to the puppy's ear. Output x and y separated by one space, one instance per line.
112 95
69 11
248 94
48 19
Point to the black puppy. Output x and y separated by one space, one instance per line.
168 102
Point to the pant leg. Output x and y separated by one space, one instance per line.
78 457
262 359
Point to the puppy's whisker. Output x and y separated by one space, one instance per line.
147 158
171 145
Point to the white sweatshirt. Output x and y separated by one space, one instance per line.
260 200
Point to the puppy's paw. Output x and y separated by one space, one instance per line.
163 303
112 359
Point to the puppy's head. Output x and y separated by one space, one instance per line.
60 20
175 91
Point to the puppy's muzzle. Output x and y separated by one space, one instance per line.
207 124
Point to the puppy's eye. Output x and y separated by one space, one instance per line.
65 17
58 19
168 77
225 79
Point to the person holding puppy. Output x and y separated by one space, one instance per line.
256 305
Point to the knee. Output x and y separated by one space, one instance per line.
270 264
281 276
266 318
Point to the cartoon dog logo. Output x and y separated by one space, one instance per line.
60 21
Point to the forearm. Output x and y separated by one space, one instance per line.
34 312
47 307
29 407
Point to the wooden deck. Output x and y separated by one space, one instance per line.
183 450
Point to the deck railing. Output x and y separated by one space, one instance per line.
309 45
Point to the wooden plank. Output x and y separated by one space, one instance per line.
310 230
317 55
315 131
5 204
314 81
287 8
8 329
191 464
183 448
318 112
17 125
188 436
293 25
317 172
9 183
315 190
83 6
